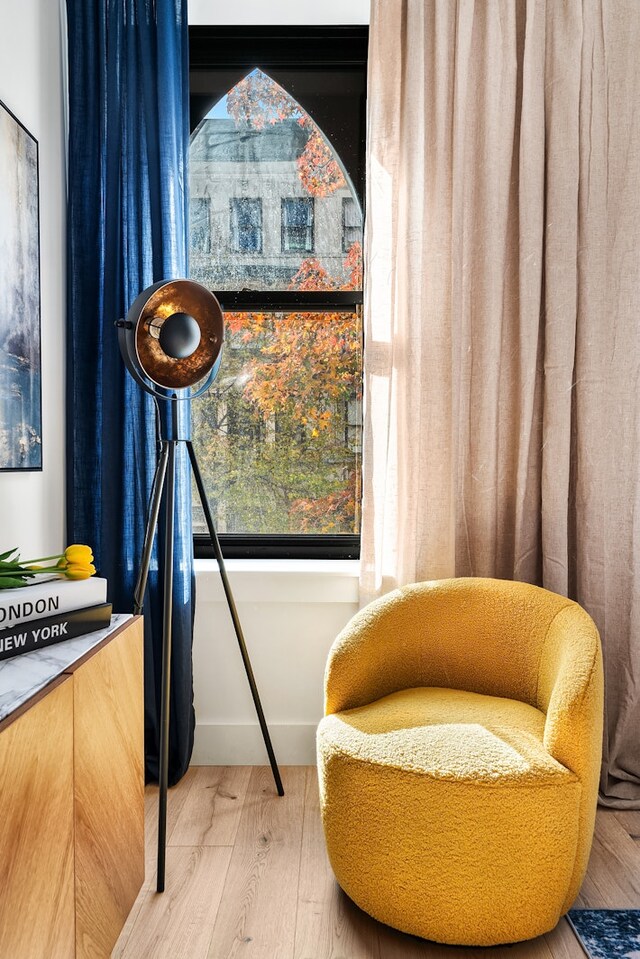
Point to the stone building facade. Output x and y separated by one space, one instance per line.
252 221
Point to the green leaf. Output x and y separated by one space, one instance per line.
7 582
8 554
10 567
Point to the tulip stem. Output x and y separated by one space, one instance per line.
43 559
30 572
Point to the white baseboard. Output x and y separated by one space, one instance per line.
218 744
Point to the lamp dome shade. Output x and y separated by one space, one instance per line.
178 332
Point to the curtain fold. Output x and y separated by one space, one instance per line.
502 349
127 228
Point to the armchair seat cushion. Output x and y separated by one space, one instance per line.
449 735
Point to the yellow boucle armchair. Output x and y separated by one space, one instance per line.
459 758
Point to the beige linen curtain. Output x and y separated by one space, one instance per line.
502 359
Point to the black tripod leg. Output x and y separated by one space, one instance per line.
236 619
163 777
152 524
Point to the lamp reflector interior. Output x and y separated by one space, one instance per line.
178 333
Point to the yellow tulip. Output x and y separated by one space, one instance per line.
75 563
77 553
79 570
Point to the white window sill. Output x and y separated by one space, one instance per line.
280 580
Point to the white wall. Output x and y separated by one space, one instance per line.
32 504
291 611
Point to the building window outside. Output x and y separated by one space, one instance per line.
199 224
297 225
278 436
351 223
246 224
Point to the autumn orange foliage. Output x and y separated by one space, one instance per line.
329 514
305 364
311 357
258 101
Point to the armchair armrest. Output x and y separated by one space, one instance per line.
571 692
363 661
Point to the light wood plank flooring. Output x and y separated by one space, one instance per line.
248 876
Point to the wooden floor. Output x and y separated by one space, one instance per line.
247 876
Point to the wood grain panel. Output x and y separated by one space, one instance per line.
614 865
629 819
257 915
109 791
328 923
177 797
562 942
211 812
178 923
36 830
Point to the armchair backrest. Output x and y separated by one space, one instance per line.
480 635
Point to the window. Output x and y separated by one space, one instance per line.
351 223
246 225
278 149
297 225
199 226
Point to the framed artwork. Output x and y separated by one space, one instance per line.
20 373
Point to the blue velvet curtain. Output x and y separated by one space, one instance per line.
127 228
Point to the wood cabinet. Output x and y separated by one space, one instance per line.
36 830
72 807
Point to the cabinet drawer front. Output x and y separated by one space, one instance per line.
36 830
109 790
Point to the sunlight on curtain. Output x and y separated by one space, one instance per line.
502 424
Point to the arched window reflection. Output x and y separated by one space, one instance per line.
271 206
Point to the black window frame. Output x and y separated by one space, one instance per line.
234 202
309 227
220 56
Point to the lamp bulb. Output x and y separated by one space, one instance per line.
179 336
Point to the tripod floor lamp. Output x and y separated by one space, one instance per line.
172 341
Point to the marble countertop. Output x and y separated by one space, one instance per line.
24 675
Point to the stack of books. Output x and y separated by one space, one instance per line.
32 617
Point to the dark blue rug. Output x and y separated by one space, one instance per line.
608 933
